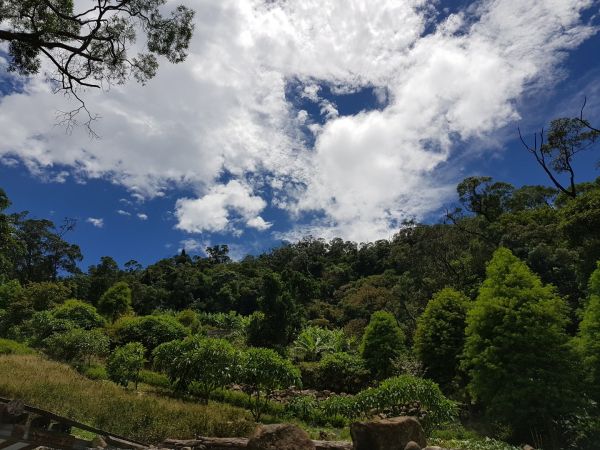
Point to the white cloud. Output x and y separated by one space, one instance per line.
225 110
96 222
142 216
220 209
122 212
192 245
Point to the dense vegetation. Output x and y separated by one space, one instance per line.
490 317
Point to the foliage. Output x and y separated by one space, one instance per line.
146 418
81 314
150 331
314 342
8 347
342 372
439 337
124 363
116 301
208 363
514 317
588 338
262 371
382 342
77 345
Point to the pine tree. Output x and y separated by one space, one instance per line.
517 354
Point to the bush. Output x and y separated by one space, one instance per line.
96 372
124 364
382 342
150 331
314 342
81 314
342 372
8 347
408 395
77 345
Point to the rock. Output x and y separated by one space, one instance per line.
528 447
434 447
412 445
280 437
387 434
98 442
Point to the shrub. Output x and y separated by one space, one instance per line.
440 335
342 372
263 371
150 331
77 345
382 342
96 372
189 318
44 324
408 395
8 347
314 342
116 301
124 364
81 314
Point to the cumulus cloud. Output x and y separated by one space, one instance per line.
96 222
122 212
142 216
221 125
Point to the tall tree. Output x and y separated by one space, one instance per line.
90 46
517 352
116 301
382 342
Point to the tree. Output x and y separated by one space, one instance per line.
206 362
439 337
588 338
278 321
382 342
262 371
566 138
517 352
89 48
116 301
124 364
484 197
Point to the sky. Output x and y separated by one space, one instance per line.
336 118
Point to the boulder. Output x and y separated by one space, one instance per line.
412 445
280 437
387 434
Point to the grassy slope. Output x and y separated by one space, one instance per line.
145 417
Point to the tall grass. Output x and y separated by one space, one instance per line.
141 416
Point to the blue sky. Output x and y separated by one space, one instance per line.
272 130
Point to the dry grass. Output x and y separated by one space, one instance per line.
142 416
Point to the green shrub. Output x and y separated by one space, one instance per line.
81 314
408 395
342 372
155 379
96 372
150 331
124 364
8 347
314 342
116 301
77 345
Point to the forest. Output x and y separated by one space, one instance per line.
485 324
